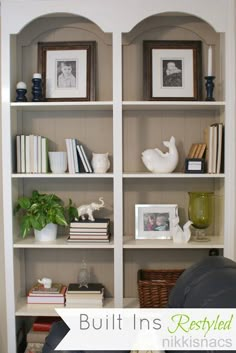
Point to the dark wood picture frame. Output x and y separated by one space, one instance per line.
78 58
183 59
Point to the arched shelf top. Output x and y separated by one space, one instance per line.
21 16
112 16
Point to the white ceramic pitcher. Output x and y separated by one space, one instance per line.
100 162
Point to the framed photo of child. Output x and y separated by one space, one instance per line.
68 70
172 70
155 221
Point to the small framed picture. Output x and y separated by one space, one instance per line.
172 70
155 221
68 70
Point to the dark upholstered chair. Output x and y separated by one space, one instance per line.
210 283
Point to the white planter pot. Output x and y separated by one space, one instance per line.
58 162
48 233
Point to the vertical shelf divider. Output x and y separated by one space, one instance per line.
118 162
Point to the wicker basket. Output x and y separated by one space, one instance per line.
154 287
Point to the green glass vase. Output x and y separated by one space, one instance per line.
200 212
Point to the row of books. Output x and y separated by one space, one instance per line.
88 231
75 295
77 157
212 149
215 142
197 150
31 154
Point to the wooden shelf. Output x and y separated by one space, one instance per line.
24 309
172 105
60 243
172 175
65 176
47 106
130 243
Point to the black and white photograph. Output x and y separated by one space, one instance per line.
172 70
154 221
172 73
68 70
66 73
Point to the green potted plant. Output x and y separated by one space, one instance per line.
43 213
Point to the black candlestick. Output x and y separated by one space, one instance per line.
209 87
37 88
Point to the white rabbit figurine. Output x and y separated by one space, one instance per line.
179 235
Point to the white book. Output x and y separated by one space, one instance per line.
70 156
22 143
86 159
45 300
27 154
88 305
82 159
18 154
214 151
210 149
35 170
219 146
44 144
75 156
31 137
84 301
39 153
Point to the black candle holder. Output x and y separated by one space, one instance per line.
209 87
20 95
37 89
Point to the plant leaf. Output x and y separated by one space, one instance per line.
24 202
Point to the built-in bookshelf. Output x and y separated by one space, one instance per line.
121 123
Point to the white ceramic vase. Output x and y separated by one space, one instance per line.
58 162
48 233
100 162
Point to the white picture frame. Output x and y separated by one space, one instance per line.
154 221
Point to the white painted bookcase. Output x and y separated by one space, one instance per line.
118 122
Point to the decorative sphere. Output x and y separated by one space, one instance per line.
21 85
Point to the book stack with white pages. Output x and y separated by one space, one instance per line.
85 296
97 231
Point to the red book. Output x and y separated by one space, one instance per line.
44 323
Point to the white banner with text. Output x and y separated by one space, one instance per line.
149 329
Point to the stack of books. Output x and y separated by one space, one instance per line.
90 296
214 136
31 154
88 231
197 150
77 158
35 338
40 295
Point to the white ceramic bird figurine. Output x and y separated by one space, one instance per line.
179 235
159 162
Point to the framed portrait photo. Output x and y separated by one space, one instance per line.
68 70
172 70
155 221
